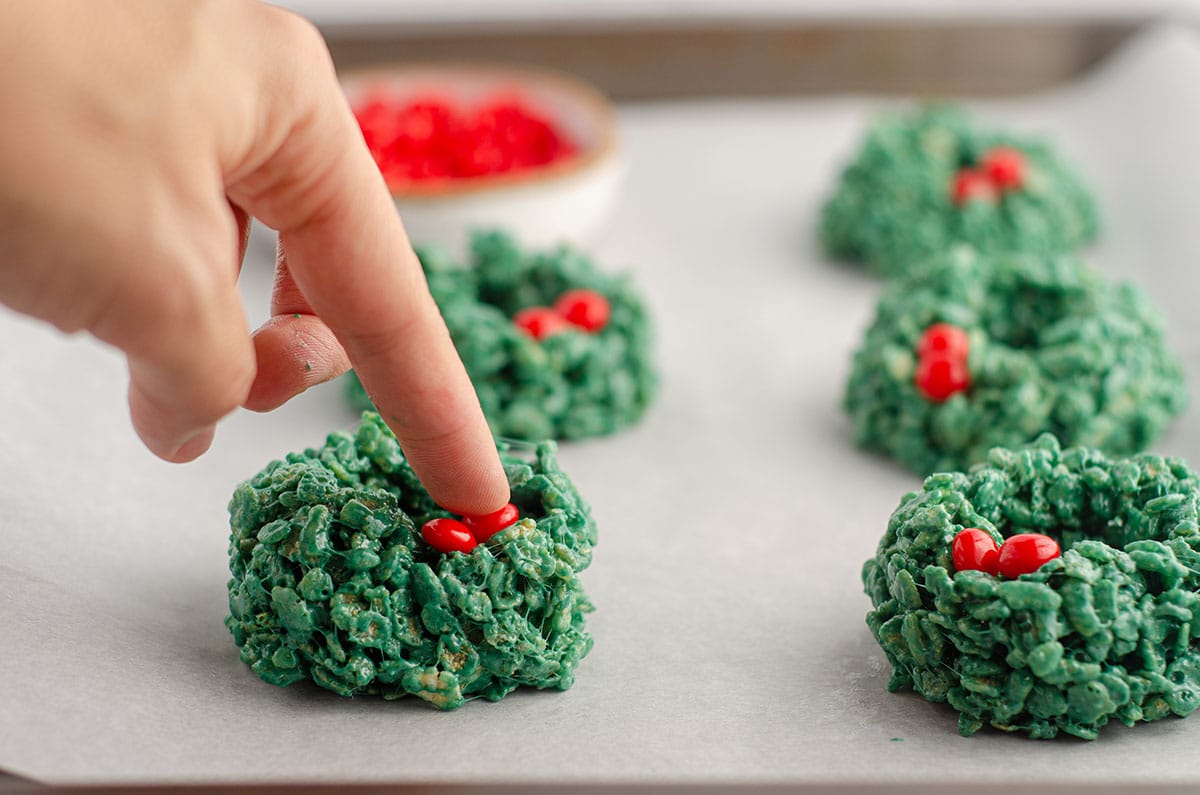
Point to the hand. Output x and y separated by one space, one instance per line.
138 136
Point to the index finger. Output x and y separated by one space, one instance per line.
309 175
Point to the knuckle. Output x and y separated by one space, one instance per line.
297 33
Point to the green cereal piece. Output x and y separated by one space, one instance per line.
570 385
1109 630
894 211
1019 313
332 582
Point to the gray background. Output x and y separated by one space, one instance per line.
730 642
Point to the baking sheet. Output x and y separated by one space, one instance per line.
730 642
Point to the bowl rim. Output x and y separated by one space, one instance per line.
590 98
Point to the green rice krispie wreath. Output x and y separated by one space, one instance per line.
982 351
334 579
927 179
1040 642
554 347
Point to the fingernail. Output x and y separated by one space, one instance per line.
194 447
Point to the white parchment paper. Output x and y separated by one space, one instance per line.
730 642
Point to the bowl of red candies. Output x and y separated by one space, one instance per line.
464 147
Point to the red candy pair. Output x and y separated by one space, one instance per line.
432 138
583 309
450 535
1000 169
942 362
974 549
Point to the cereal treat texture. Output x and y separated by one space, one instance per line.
569 385
333 582
920 184
1109 630
1047 346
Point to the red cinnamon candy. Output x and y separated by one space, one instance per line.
448 535
1025 553
484 526
942 362
433 137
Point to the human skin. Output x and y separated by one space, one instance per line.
139 136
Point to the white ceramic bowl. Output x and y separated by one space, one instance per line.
564 201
